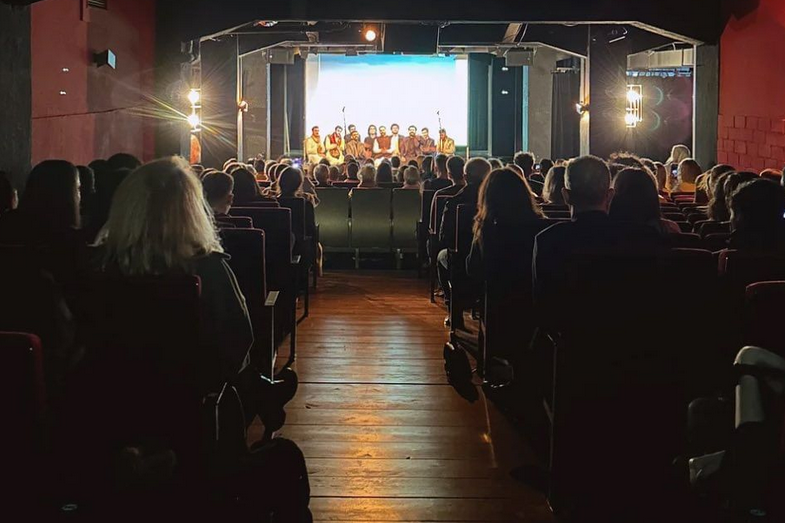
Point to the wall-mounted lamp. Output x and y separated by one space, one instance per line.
634 112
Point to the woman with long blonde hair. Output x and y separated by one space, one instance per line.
160 223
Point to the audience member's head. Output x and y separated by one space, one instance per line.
626 159
545 166
413 163
411 176
8 196
635 197
384 173
718 204
123 161
441 165
496 163
587 184
321 174
525 161
335 174
427 166
245 187
455 169
688 172
757 208
86 182
774 175
505 198
662 176
352 170
159 222
219 191
678 154
51 197
367 176
477 170
554 183
395 161
278 169
732 181
198 170
290 182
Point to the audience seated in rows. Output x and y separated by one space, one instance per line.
635 200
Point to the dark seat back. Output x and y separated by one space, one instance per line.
438 212
425 213
260 203
346 184
300 228
332 215
277 226
240 222
371 218
390 185
764 305
406 208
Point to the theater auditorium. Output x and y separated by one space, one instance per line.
350 261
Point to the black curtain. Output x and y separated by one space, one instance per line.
479 71
565 124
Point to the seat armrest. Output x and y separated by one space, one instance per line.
272 299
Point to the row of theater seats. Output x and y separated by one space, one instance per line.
368 219
662 332
146 328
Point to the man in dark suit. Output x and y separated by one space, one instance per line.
475 171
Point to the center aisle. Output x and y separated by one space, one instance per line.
385 437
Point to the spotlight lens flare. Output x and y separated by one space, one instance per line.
630 119
370 35
194 120
633 96
194 96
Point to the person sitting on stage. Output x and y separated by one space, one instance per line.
411 145
427 145
334 145
442 179
411 178
218 190
446 144
367 176
369 142
354 147
313 147
322 175
382 146
395 140
349 131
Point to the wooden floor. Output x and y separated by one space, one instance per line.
385 437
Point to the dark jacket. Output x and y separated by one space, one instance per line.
434 184
466 196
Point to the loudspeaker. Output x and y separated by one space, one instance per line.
411 38
280 56
516 58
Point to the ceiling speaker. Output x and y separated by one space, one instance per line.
518 58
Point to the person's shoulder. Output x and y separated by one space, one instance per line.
553 232
212 261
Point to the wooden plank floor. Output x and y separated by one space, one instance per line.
385 437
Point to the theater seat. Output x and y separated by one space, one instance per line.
764 306
371 224
22 387
240 222
332 215
406 206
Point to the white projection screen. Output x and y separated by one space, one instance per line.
387 89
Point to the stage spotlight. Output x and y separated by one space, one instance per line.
194 96
370 32
633 96
242 106
194 121
631 120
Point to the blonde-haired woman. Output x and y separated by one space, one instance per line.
160 223
679 153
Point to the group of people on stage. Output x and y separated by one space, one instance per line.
377 145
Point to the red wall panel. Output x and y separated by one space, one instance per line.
102 110
752 89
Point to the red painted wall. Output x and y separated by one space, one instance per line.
102 110
752 89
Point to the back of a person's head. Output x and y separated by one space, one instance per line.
98 166
497 164
321 173
689 170
7 193
159 221
395 161
758 206
505 198
588 181
525 161
352 168
413 163
268 165
51 196
717 208
455 167
775 175
123 161
661 174
554 183
384 173
217 186
245 187
335 173
427 165
545 165
441 163
626 159
635 197
733 180
367 174
290 182
477 170
411 176
679 153
325 162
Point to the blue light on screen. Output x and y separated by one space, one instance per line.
387 89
